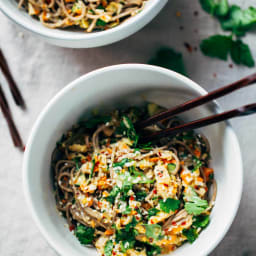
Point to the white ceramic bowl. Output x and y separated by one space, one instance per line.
76 39
111 87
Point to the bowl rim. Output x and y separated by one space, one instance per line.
64 35
70 86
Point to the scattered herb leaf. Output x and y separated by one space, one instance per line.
169 204
108 248
190 234
84 234
201 221
169 58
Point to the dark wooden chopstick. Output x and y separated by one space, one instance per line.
8 116
197 101
242 111
13 86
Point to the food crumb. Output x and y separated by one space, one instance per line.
196 13
188 47
214 75
178 14
230 65
181 27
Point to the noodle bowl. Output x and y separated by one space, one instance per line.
128 198
89 15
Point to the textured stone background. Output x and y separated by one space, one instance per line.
41 70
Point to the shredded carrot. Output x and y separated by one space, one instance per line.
153 159
104 3
109 150
197 153
109 232
102 184
207 172
199 179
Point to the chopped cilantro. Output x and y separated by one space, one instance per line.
101 7
197 164
101 23
108 248
122 163
112 195
92 169
131 225
201 221
152 212
140 195
169 58
127 234
84 234
126 128
127 211
94 121
169 204
171 167
153 231
190 234
195 205
77 161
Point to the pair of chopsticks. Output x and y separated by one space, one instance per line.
241 111
16 138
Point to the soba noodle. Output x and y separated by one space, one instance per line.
128 198
90 15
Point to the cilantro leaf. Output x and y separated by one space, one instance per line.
194 204
241 54
215 7
152 212
201 221
101 23
127 211
169 204
127 234
122 163
190 234
126 128
239 21
84 234
77 161
169 58
208 5
221 8
171 167
140 195
108 248
131 225
220 46
197 164
112 195
94 121
92 169
153 231
153 250
217 46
